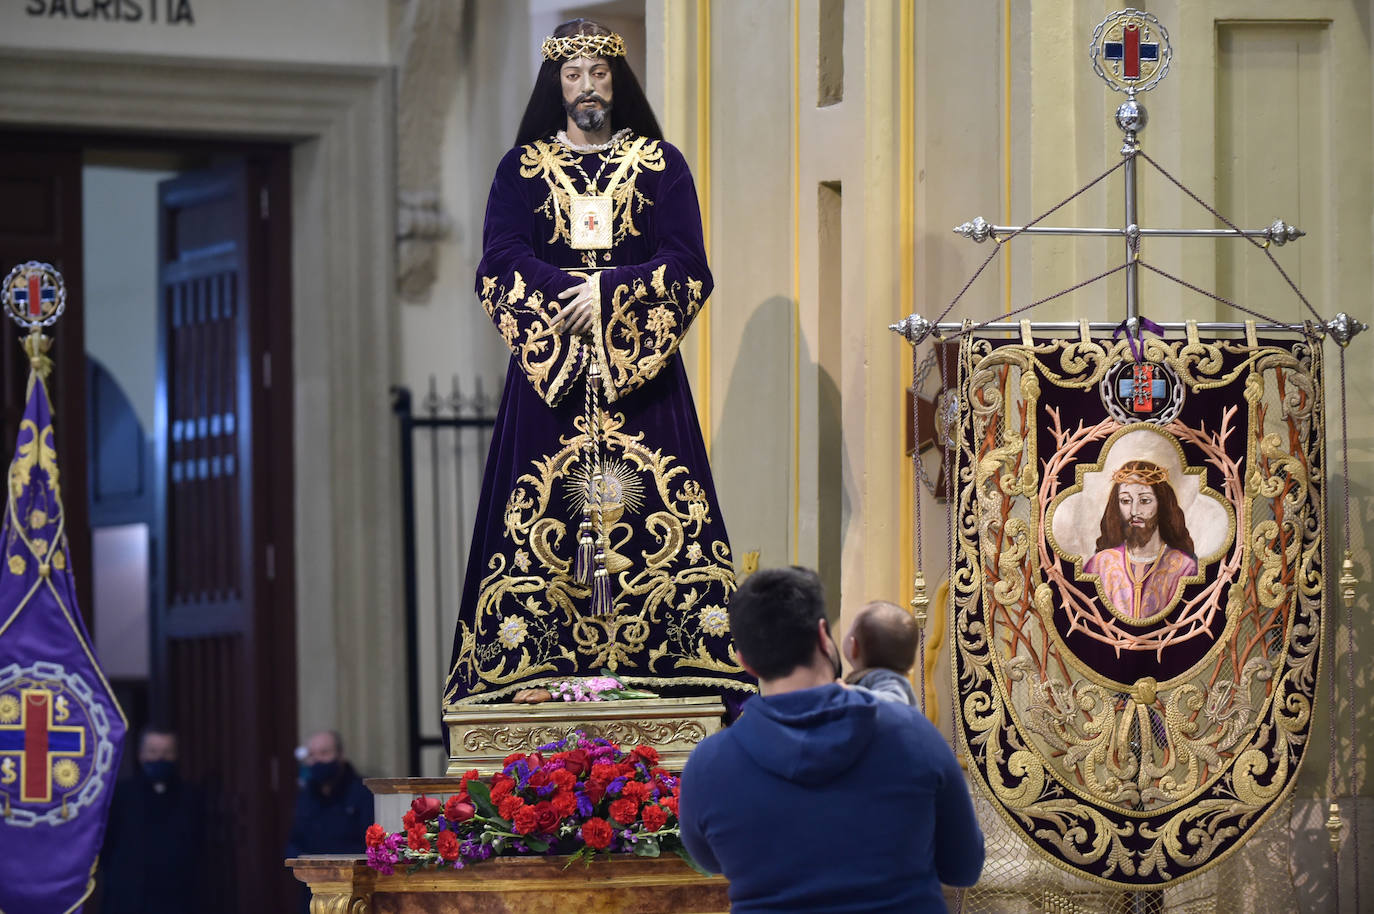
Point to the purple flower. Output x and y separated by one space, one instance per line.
378 859
584 805
615 787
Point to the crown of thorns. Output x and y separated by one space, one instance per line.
573 46
1148 475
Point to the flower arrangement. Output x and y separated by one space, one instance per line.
578 796
595 688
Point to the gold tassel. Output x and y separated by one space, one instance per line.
920 603
601 589
582 571
1348 580
1333 825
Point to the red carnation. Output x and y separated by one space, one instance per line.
648 753
597 834
501 788
408 820
417 839
563 779
526 820
624 810
671 803
547 816
447 846
602 773
458 809
472 775
595 791
564 803
509 806
375 835
654 816
636 790
426 808
513 757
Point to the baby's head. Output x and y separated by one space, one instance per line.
882 635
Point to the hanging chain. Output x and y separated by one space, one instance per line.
1349 600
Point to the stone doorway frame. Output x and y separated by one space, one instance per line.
339 122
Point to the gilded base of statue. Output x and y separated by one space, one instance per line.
481 736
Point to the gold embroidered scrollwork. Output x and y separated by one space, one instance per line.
1149 779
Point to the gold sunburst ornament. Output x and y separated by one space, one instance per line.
9 709
571 47
66 773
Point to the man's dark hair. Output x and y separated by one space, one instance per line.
545 114
156 730
773 619
1173 526
886 637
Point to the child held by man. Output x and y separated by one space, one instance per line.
881 647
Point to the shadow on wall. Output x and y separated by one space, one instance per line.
752 450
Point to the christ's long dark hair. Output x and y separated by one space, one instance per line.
1173 526
545 114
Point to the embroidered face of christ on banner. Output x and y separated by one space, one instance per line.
1138 587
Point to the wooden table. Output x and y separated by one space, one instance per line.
622 884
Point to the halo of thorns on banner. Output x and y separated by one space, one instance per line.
1139 561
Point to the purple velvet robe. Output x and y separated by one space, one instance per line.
525 618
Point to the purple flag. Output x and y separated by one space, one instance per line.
60 727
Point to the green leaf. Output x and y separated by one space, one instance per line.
535 845
481 798
682 852
646 847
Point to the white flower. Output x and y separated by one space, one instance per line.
714 620
512 631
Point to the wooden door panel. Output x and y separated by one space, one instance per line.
223 612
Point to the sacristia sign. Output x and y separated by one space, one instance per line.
152 12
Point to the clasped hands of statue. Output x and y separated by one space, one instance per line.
576 316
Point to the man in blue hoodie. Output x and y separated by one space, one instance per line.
821 797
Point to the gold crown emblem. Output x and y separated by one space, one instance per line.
573 46
1147 475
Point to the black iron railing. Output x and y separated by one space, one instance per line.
443 453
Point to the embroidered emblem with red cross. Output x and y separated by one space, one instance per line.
37 742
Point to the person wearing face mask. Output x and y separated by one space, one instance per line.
333 807
155 838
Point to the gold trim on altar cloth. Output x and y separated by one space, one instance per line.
590 221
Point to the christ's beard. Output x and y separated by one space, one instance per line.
589 119
1137 537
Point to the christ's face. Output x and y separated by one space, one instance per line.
1139 511
587 91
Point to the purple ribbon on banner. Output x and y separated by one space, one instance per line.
1136 343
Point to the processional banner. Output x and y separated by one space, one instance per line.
1138 576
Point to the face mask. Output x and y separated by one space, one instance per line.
320 772
160 771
